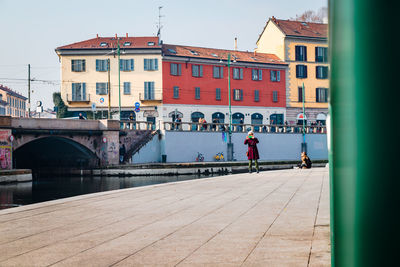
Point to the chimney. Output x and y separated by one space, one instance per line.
255 52
235 43
126 35
273 19
97 35
116 37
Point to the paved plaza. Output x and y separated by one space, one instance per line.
274 218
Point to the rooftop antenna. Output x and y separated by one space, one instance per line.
159 26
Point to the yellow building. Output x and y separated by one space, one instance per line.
12 103
304 46
88 67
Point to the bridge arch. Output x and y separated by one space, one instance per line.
54 152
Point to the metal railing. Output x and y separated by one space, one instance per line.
137 125
83 98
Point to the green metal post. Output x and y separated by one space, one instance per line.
364 100
230 145
119 81
304 114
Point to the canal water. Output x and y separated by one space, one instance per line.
45 189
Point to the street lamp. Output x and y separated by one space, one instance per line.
119 79
230 144
304 144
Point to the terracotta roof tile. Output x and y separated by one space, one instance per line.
213 53
304 29
111 42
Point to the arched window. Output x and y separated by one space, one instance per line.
196 116
256 118
220 117
236 117
321 118
300 117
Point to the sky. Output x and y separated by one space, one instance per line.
31 30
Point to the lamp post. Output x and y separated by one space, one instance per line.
230 144
119 80
304 144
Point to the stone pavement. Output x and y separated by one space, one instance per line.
274 218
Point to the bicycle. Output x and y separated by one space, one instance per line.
219 156
199 157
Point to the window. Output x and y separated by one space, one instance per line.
238 94
256 95
176 92
197 70
127 88
101 65
176 69
218 94
149 90
256 75
78 65
301 53
275 76
321 72
78 91
275 96
197 92
127 43
321 54
237 73
101 88
218 72
171 51
126 64
150 64
301 71
151 43
194 52
322 95
300 94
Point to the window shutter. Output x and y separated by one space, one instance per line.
305 53
297 71
83 91
156 63
179 70
132 64
221 72
73 92
215 72
201 71
317 95
297 53
278 75
194 70
317 56
260 75
241 74
241 94
145 64
83 65
305 71
97 65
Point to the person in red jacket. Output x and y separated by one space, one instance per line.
252 152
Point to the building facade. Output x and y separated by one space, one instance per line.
195 83
304 47
12 103
90 71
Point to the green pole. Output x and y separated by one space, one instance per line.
364 98
119 81
230 145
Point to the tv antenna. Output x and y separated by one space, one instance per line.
159 26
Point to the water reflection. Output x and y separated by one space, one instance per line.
45 189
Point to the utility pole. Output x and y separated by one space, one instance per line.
230 144
119 80
109 89
29 90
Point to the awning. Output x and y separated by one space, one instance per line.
301 116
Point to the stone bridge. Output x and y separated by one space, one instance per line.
63 142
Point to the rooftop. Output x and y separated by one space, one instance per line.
11 92
112 42
219 54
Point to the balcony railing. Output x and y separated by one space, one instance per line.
82 99
150 98
220 127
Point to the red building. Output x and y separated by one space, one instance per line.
195 84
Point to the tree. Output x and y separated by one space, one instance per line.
62 110
311 16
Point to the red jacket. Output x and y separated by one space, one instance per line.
252 152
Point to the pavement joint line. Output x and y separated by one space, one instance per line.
235 220
137 228
269 227
167 195
87 197
315 219
78 222
210 212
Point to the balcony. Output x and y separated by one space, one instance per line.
150 98
76 99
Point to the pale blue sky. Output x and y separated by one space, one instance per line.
31 30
